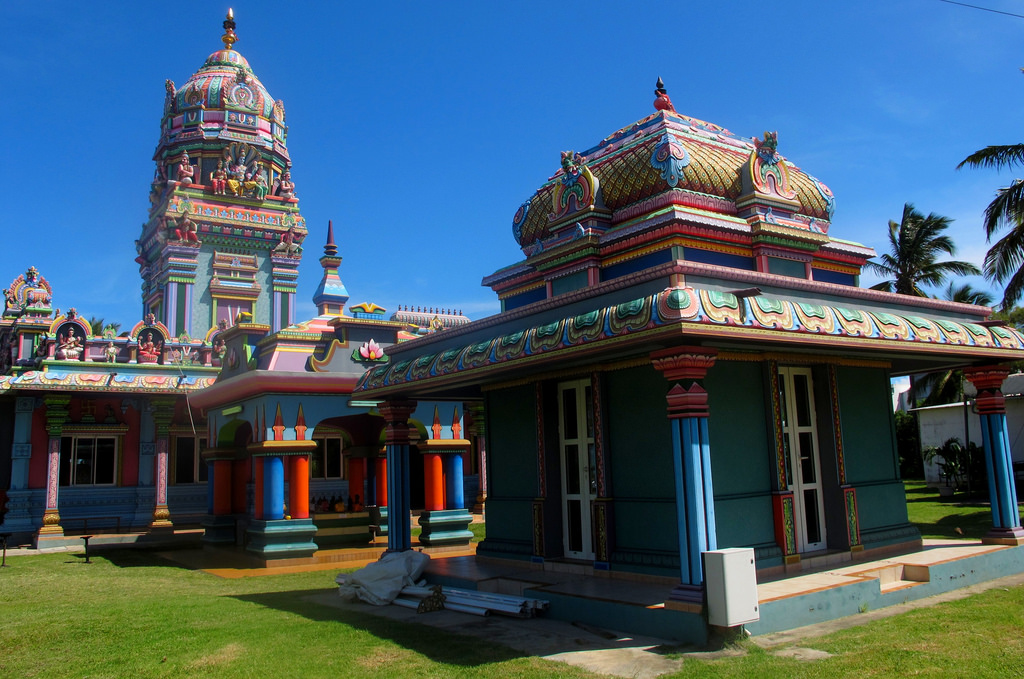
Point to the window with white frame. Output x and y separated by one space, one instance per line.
187 464
88 460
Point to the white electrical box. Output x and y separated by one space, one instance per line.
731 582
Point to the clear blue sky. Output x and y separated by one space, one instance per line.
419 128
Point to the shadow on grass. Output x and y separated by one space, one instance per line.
439 645
970 525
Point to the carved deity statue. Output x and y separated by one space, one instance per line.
285 186
69 347
219 349
169 97
236 178
149 351
185 169
219 179
288 245
186 229
260 190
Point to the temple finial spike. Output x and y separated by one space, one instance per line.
229 38
330 249
662 101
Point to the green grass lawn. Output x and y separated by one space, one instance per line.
947 517
980 636
131 614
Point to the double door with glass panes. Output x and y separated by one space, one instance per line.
803 469
579 466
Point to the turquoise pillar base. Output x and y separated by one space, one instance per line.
282 538
219 530
379 521
343 530
446 527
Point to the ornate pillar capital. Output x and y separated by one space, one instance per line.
56 413
683 363
396 417
477 424
988 380
689 365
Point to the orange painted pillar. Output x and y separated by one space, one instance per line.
381 478
257 509
298 487
222 487
433 480
356 475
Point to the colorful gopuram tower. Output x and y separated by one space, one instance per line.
222 241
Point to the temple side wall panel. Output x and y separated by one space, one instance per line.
512 444
6 440
639 455
870 456
742 458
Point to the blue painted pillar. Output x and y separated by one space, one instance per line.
209 487
396 438
454 482
273 488
991 404
691 456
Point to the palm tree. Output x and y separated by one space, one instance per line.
967 295
98 325
947 386
1004 262
915 244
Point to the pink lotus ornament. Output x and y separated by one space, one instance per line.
371 351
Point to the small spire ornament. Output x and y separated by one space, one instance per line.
229 38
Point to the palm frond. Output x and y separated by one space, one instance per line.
1006 207
995 156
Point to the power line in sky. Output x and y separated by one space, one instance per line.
984 9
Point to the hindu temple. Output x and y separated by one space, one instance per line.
217 409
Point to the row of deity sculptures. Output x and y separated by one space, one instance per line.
237 177
70 346
185 231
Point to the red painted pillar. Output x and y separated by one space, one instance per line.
240 479
433 480
381 478
298 487
356 475
222 487
257 509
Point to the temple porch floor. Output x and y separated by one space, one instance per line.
824 588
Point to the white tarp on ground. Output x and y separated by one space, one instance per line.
380 582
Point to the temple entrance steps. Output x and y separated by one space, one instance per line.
897 576
939 567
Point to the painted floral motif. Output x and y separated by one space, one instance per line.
577 189
767 171
370 351
670 158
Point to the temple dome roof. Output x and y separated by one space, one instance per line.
696 163
226 81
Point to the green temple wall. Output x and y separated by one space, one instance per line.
639 462
870 456
638 451
742 453
512 471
